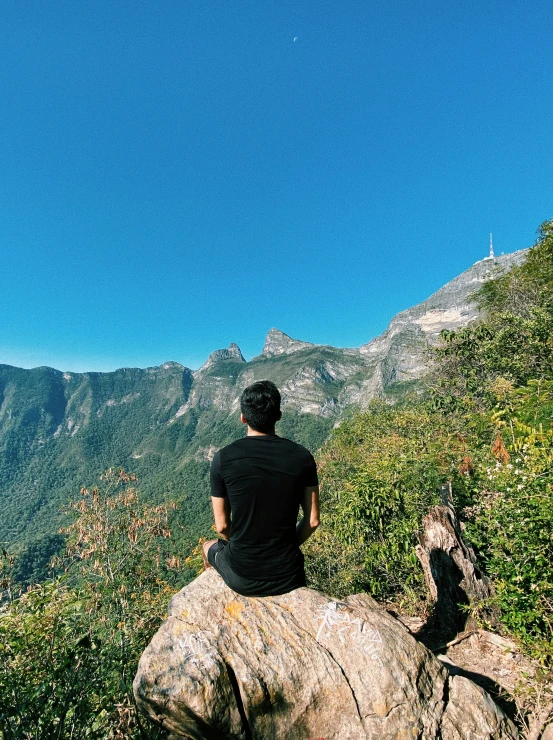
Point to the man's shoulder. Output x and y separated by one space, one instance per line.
234 448
236 445
295 446
246 445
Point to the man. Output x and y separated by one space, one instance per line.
258 484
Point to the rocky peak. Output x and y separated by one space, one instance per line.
279 343
450 307
233 352
167 367
461 289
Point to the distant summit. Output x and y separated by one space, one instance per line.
232 353
279 343
400 351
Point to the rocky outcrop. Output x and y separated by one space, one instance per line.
301 666
232 353
401 348
279 343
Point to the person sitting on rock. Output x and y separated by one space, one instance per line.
258 484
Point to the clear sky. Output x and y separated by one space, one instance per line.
178 175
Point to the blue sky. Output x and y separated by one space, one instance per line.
175 176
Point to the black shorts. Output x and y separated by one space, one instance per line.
216 556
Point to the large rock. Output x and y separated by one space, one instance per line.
301 666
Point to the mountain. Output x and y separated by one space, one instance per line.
59 430
400 351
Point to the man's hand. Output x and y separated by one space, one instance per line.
221 514
310 508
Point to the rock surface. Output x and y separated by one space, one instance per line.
233 352
279 343
301 666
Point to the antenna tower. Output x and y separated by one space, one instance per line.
491 248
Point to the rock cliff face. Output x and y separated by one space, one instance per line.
232 353
324 380
400 349
302 666
279 343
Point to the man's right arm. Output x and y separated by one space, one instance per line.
310 519
221 515
219 498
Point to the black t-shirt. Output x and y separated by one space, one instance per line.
264 478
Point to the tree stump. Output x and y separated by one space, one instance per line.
451 570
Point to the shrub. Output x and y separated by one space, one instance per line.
512 525
380 472
71 646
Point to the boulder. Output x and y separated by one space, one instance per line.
301 666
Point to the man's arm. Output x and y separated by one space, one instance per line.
219 498
221 514
310 508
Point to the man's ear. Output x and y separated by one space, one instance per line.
279 415
243 419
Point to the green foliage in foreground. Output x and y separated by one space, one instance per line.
512 522
71 645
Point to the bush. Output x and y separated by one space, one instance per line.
512 525
380 472
49 671
71 646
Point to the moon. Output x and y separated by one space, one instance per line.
295 39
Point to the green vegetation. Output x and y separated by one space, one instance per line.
381 470
307 429
512 522
70 646
64 428
486 425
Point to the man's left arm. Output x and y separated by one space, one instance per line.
310 519
309 503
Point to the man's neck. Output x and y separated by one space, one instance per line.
255 433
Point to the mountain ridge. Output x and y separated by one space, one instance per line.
60 429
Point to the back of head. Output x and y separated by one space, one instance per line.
260 405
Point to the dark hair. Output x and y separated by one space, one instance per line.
260 405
